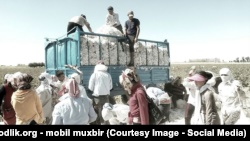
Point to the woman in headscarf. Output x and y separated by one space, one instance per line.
73 109
138 104
44 92
230 93
25 100
77 77
205 108
6 92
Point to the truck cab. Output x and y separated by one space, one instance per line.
83 50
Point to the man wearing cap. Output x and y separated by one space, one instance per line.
132 31
78 21
112 19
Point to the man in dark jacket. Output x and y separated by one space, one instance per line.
132 31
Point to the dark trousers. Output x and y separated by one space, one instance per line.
188 113
100 101
175 98
131 39
165 110
72 25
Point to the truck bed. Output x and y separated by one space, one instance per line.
83 49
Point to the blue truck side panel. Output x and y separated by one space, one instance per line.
67 51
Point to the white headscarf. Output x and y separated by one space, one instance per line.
226 79
198 119
77 77
45 80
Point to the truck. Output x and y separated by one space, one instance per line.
83 49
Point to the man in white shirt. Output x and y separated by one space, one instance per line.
73 110
78 21
100 83
112 19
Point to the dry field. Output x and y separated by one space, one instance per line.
35 72
240 71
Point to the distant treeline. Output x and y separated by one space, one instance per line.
41 64
218 60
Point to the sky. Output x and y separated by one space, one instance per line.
195 29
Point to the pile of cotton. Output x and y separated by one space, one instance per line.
108 49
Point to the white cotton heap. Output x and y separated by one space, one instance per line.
110 50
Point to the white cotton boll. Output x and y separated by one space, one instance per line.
109 30
112 53
121 111
113 121
106 114
140 54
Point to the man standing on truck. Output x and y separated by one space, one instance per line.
78 21
112 19
132 31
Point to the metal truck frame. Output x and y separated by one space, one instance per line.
66 51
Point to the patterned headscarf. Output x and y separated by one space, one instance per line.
127 78
8 78
72 87
23 80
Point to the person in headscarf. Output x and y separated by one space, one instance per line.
25 100
100 84
77 77
74 109
44 92
205 108
212 85
6 92
176 90
230 93
116 114
161 99
138 104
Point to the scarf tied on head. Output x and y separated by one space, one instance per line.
73 89
23 81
